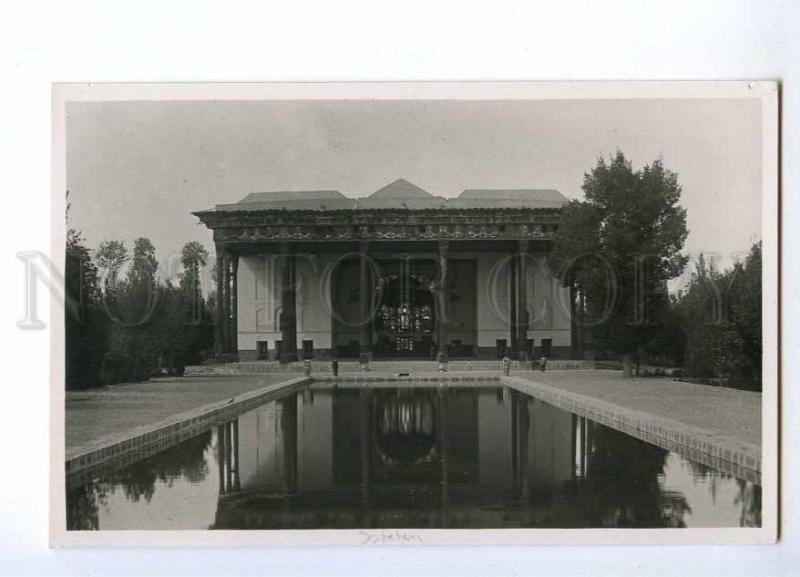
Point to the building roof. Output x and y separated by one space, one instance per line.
513 194
399 194
400 188
292 200
289 195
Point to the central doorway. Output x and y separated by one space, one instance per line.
405 319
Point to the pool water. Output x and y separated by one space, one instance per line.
339 456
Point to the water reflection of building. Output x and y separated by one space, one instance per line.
426 450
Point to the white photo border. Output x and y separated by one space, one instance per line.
765 91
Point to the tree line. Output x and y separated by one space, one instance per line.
124 323
719 316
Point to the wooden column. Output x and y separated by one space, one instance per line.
581 327
226 304
219 347
522 309
234 344
365 305
288 318
512 305
443 299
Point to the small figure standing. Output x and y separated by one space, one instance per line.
364 361
506 365
543 363
442 362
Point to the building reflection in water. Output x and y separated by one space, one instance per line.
339 457
437 457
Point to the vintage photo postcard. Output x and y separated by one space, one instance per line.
414 313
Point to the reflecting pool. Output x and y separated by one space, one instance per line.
413 457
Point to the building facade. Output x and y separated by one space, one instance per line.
400 273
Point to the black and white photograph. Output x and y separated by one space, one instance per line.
395 311
403 288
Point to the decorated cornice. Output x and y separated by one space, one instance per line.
502 224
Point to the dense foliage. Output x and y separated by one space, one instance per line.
720 317
128 325
619 247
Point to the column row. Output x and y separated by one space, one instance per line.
226 336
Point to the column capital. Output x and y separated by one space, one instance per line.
524 245
363 246
444 245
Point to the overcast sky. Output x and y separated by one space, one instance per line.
140 168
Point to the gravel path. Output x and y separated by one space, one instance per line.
717 409
101 413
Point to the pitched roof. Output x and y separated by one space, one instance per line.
399 194
292 200
400 188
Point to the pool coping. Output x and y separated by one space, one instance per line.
721 452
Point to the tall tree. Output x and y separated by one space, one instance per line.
84 326
193 258
197 331
111 256
745 302
133 344
619 247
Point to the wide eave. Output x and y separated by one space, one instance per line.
399 212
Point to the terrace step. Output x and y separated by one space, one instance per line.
261 367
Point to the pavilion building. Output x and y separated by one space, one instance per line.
400 273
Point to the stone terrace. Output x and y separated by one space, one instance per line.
725 411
